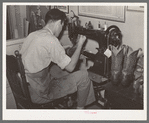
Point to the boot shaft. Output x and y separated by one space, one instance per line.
116 65
116 61
130 60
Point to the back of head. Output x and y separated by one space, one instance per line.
54 15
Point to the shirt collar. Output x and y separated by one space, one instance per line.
49 30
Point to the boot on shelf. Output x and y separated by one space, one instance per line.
116 64
130 60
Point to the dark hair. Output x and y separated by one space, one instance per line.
54 15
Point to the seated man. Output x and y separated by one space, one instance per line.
41 48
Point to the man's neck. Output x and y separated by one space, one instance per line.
50 28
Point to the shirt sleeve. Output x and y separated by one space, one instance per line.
58 54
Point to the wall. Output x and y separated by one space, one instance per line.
13 45
132 29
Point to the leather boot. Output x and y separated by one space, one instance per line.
139 76
116 64
130 60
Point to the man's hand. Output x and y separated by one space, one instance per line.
74 59
81 40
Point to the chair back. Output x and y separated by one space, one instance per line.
16 77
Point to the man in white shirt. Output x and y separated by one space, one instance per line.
41 48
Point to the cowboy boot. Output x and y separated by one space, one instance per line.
129 64
116 65
139 75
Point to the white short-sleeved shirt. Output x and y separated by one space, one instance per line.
38 50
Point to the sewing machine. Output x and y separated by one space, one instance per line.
112 36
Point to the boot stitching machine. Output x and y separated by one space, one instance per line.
102 63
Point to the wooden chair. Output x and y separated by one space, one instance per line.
19 86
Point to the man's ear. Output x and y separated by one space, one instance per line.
58 22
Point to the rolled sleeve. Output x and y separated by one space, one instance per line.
64 62
58 55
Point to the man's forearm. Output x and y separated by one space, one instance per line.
74 59
70 50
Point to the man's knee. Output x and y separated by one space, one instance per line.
82 73
84 77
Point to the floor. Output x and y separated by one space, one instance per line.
10 101
94 106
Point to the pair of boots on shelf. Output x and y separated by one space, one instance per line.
123 62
